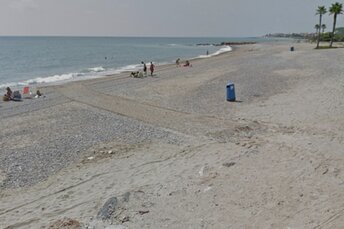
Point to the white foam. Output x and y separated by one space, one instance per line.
8 85
222 50
55 78
42 80
97 69
218 52
95 72
128 68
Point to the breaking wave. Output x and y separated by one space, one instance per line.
218 52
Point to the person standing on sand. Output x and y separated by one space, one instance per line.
151 68
144 68
178 62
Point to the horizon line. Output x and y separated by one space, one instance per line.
88 36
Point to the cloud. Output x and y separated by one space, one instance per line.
23 5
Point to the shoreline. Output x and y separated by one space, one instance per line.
80 76
119 73
96 72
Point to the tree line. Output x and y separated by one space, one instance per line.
335 9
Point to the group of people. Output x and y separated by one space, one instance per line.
139 74
12 95
151 68
186 64
136 74
16 96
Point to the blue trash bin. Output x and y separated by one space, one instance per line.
230 91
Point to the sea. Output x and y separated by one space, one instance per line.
48 60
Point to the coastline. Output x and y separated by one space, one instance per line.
30 75
96 72
73 67
175 153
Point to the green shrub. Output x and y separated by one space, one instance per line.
327 37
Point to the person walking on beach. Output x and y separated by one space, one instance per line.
144 68
151 68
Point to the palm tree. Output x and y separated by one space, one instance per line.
335 9
323 27
320 11
317 28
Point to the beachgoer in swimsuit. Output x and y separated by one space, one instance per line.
151 68
177 62
144 67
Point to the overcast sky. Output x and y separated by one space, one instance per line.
216 18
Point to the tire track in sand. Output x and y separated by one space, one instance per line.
187 123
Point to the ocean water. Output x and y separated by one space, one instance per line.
39 60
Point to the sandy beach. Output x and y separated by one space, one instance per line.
169 151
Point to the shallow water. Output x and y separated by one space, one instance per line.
32 60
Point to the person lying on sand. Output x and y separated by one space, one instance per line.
134 74
187 64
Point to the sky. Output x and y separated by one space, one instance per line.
177 18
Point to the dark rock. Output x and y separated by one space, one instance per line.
125 219
237 43
228 164
142 212
108 209
326 170
126 197
227 43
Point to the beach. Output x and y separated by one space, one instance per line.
170 152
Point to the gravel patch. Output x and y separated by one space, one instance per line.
49 99
39 144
